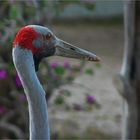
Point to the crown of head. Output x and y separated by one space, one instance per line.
29 38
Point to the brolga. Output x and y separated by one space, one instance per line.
31 44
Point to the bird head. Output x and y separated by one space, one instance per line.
43 43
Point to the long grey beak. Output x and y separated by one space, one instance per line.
68 50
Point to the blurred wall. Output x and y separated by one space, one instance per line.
102 9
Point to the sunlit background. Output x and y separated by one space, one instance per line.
83 102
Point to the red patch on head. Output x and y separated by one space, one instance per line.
25 37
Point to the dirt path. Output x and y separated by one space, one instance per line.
107 42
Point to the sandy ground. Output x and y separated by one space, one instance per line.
107 42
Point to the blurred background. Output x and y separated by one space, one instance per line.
83 102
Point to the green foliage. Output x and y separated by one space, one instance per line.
98 65
65 92
89 71
59 70
88 107
90 6
13 12
59 100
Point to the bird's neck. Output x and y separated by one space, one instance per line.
23 61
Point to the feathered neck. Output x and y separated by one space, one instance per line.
23 61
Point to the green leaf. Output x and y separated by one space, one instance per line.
59 100
66 2
89 71
90 6
88 108
98 65
11 68
59 70
67 93
13 12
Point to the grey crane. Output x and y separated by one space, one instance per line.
31 44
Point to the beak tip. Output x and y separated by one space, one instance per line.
95 59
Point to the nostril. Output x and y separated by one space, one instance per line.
72 49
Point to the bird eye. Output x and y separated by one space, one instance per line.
48 36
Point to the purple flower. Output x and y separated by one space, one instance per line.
90 99
66 65
3 74
3 110
54 64
17 81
